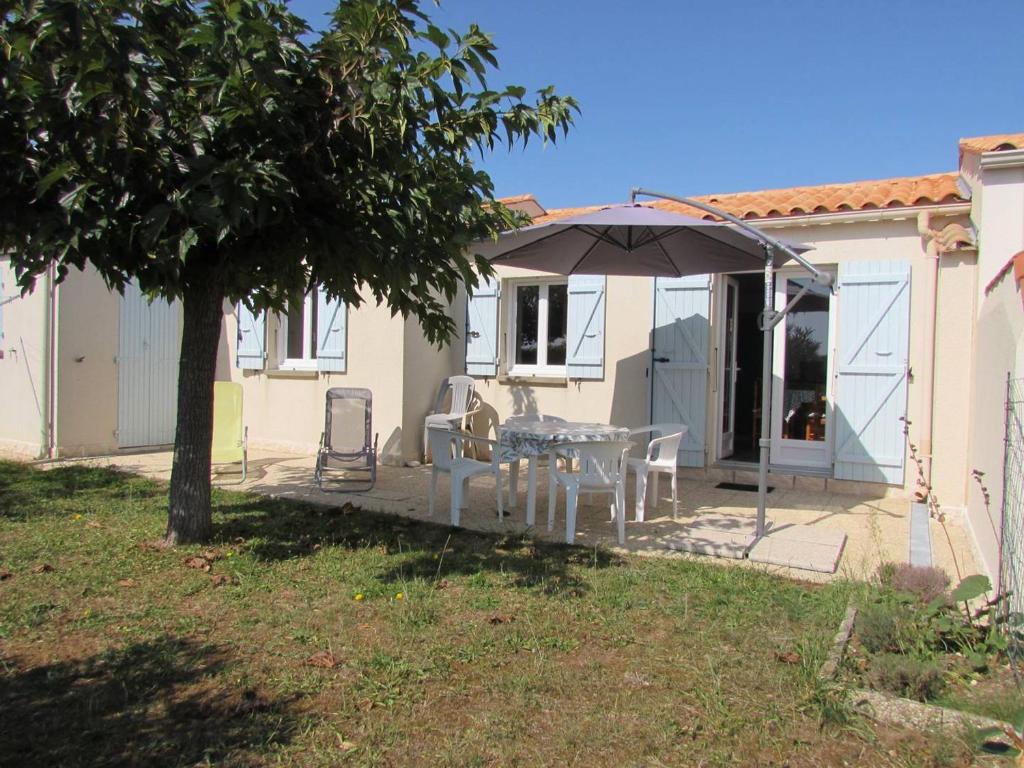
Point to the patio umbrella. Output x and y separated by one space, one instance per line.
629 240
643 241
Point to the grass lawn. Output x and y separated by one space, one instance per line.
322 637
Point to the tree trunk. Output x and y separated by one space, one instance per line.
188 517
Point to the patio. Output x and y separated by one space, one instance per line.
876 529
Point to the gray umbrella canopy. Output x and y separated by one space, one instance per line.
629 240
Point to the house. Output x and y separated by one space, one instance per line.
924 326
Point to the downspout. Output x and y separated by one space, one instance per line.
46 412
932 293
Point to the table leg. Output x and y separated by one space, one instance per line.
513 482
531 490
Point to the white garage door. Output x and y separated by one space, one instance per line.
147 363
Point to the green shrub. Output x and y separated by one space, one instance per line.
907 676
924 582
879 628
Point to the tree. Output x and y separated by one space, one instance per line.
204 151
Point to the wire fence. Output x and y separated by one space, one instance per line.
1011 575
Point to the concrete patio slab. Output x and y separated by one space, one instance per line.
800 546
878 529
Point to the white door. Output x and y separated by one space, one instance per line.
727 370
147 370
801 396
680 380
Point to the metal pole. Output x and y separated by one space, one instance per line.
768 328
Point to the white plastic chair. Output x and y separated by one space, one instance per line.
601 469
461 388
661 458
447 448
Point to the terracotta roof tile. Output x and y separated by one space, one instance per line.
905 192
527 198
995 143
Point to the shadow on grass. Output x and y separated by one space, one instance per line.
27 491
153 703
276 529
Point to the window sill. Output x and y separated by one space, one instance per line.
540 379
293 373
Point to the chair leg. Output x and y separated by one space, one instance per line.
457 488
641 495
571 494
426 444
675 496
433 492
620 511
654 489
497 483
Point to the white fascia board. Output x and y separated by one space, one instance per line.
1009 158
861 217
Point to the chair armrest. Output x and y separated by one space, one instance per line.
640 431
659 440
470 437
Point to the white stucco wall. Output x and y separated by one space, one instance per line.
22 369
999 352
284 410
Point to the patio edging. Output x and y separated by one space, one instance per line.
895 710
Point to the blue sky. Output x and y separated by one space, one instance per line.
696 98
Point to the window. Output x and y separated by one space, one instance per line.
537 327
297 334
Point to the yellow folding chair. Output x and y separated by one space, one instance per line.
230 437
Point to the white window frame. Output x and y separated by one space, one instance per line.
541 368
308 338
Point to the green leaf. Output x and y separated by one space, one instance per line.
971 587
57 174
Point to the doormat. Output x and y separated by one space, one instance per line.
742 487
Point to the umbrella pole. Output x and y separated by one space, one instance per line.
768 327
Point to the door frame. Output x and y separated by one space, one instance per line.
778 444
722 306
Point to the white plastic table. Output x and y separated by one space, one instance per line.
530 439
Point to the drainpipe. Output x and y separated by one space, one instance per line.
47 427
932 293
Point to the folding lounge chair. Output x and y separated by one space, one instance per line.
230 437
345 445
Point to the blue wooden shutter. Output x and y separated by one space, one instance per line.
251 353
871 370
331 333
585 353
482 329
681 342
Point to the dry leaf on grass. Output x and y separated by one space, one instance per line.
93 524
126 582
788 657
220 580
346 746
152 546
42 568
500 618
324 659
200 563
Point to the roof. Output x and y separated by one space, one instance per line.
1016 263
910 191
996 143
